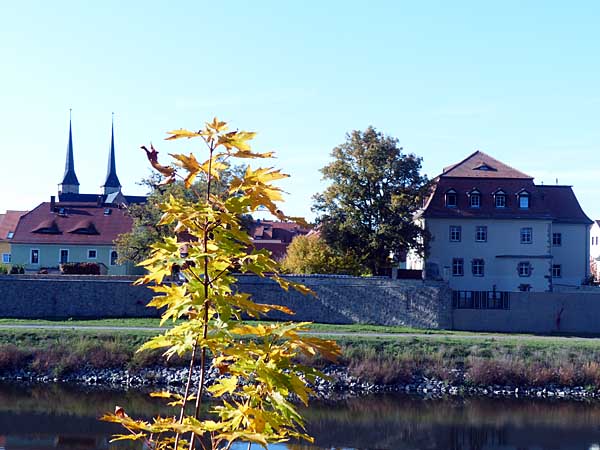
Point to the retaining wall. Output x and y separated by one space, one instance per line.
339 299
536 312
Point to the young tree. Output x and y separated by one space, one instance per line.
310 254
257 362
375 190
135 245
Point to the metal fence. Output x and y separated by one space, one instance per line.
480 300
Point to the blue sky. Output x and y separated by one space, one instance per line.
518 80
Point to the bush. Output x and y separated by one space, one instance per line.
80 268
3 269
12 357
17 269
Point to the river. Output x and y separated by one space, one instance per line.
44 417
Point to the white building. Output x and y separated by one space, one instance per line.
493 229
595 249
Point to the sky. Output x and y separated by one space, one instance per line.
518 80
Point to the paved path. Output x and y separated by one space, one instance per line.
432 336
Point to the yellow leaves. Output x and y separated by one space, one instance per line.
190 164
238 140
181 133
216 125
224 386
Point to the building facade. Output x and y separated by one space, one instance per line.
8 224
75 227
493 229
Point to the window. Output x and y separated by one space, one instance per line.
556 271
524 200
524 269
34 256
113 257
5 258
556 239
92 254
10 235
63 256
481 234
526 235
500 199
477 267
458 267
451 199
455 233
475 199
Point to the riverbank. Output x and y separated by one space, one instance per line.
443 364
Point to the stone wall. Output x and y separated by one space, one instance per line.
49 297
536 312
339 299
347 300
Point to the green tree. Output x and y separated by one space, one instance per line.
310 254
375 190
257 362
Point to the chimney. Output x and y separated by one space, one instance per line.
52 203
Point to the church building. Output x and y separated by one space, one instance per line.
74 227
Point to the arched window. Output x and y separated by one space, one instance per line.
451 198
475 198
113 257
500 199
523 197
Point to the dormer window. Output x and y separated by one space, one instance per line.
484 167
523 197
451 199
475 199
500 199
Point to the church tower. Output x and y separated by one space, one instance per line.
69 184
112 184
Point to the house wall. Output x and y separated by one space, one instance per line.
4 249
594 235
49 256
502 252
572 255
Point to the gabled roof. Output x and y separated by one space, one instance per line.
8 223
482 165
72 223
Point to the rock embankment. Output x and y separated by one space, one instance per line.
338 384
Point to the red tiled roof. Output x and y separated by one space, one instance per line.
482 165
274 230
8 222
278 249
70 220
545 202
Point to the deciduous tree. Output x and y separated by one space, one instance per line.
310 254
259 375
375 190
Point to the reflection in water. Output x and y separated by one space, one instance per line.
55 417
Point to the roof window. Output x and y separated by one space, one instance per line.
474 198
451 198
484 167
85 227
523 197
47 227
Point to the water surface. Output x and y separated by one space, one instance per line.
58 417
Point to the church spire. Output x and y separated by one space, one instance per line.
112 183
69 184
